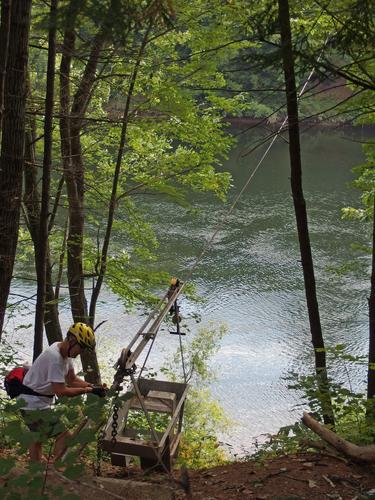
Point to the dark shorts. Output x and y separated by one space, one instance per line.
45 422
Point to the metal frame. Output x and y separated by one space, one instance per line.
130 354
161 448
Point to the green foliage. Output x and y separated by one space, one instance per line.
350 408
175 136
289 439
137 421
365 182
197 355
204 418
17 438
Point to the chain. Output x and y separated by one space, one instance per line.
101 434
116 408
99 452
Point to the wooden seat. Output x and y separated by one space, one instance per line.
156 401
157 396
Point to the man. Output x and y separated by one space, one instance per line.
52 374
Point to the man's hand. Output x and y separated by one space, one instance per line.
99 390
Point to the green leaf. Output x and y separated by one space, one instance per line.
6 465
74 471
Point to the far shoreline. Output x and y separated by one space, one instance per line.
250 121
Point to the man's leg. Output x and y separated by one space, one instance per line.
35 451
33 423
60 444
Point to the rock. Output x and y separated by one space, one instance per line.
308 464
247 493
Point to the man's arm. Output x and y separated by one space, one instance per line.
62 390
73 381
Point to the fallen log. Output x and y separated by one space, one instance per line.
324 448
353 451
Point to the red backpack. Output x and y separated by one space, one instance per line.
13 384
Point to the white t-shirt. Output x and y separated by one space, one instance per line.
50 367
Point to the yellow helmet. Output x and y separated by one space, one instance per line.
83 334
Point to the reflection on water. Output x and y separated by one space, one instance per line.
251 279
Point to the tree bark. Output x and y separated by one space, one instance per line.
300 210
371 356
12 145
75 209
357 453
42 248
70 130
4 44
76 201
32 203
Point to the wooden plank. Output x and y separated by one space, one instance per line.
147 385
156 401
153 406
126 446
174 444
120 460
169 396
173 420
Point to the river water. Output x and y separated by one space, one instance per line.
251 279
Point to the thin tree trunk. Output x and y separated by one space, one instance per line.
76 203
70 129
300 211
61 262
31 201
75 208
12 145
41 260
116 176
371 356
4 44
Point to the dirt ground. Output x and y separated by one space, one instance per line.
302 476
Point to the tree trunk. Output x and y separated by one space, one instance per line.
371 355
76 202
75 271
70 130
12 145
41 256
4 44
31 201
300 211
